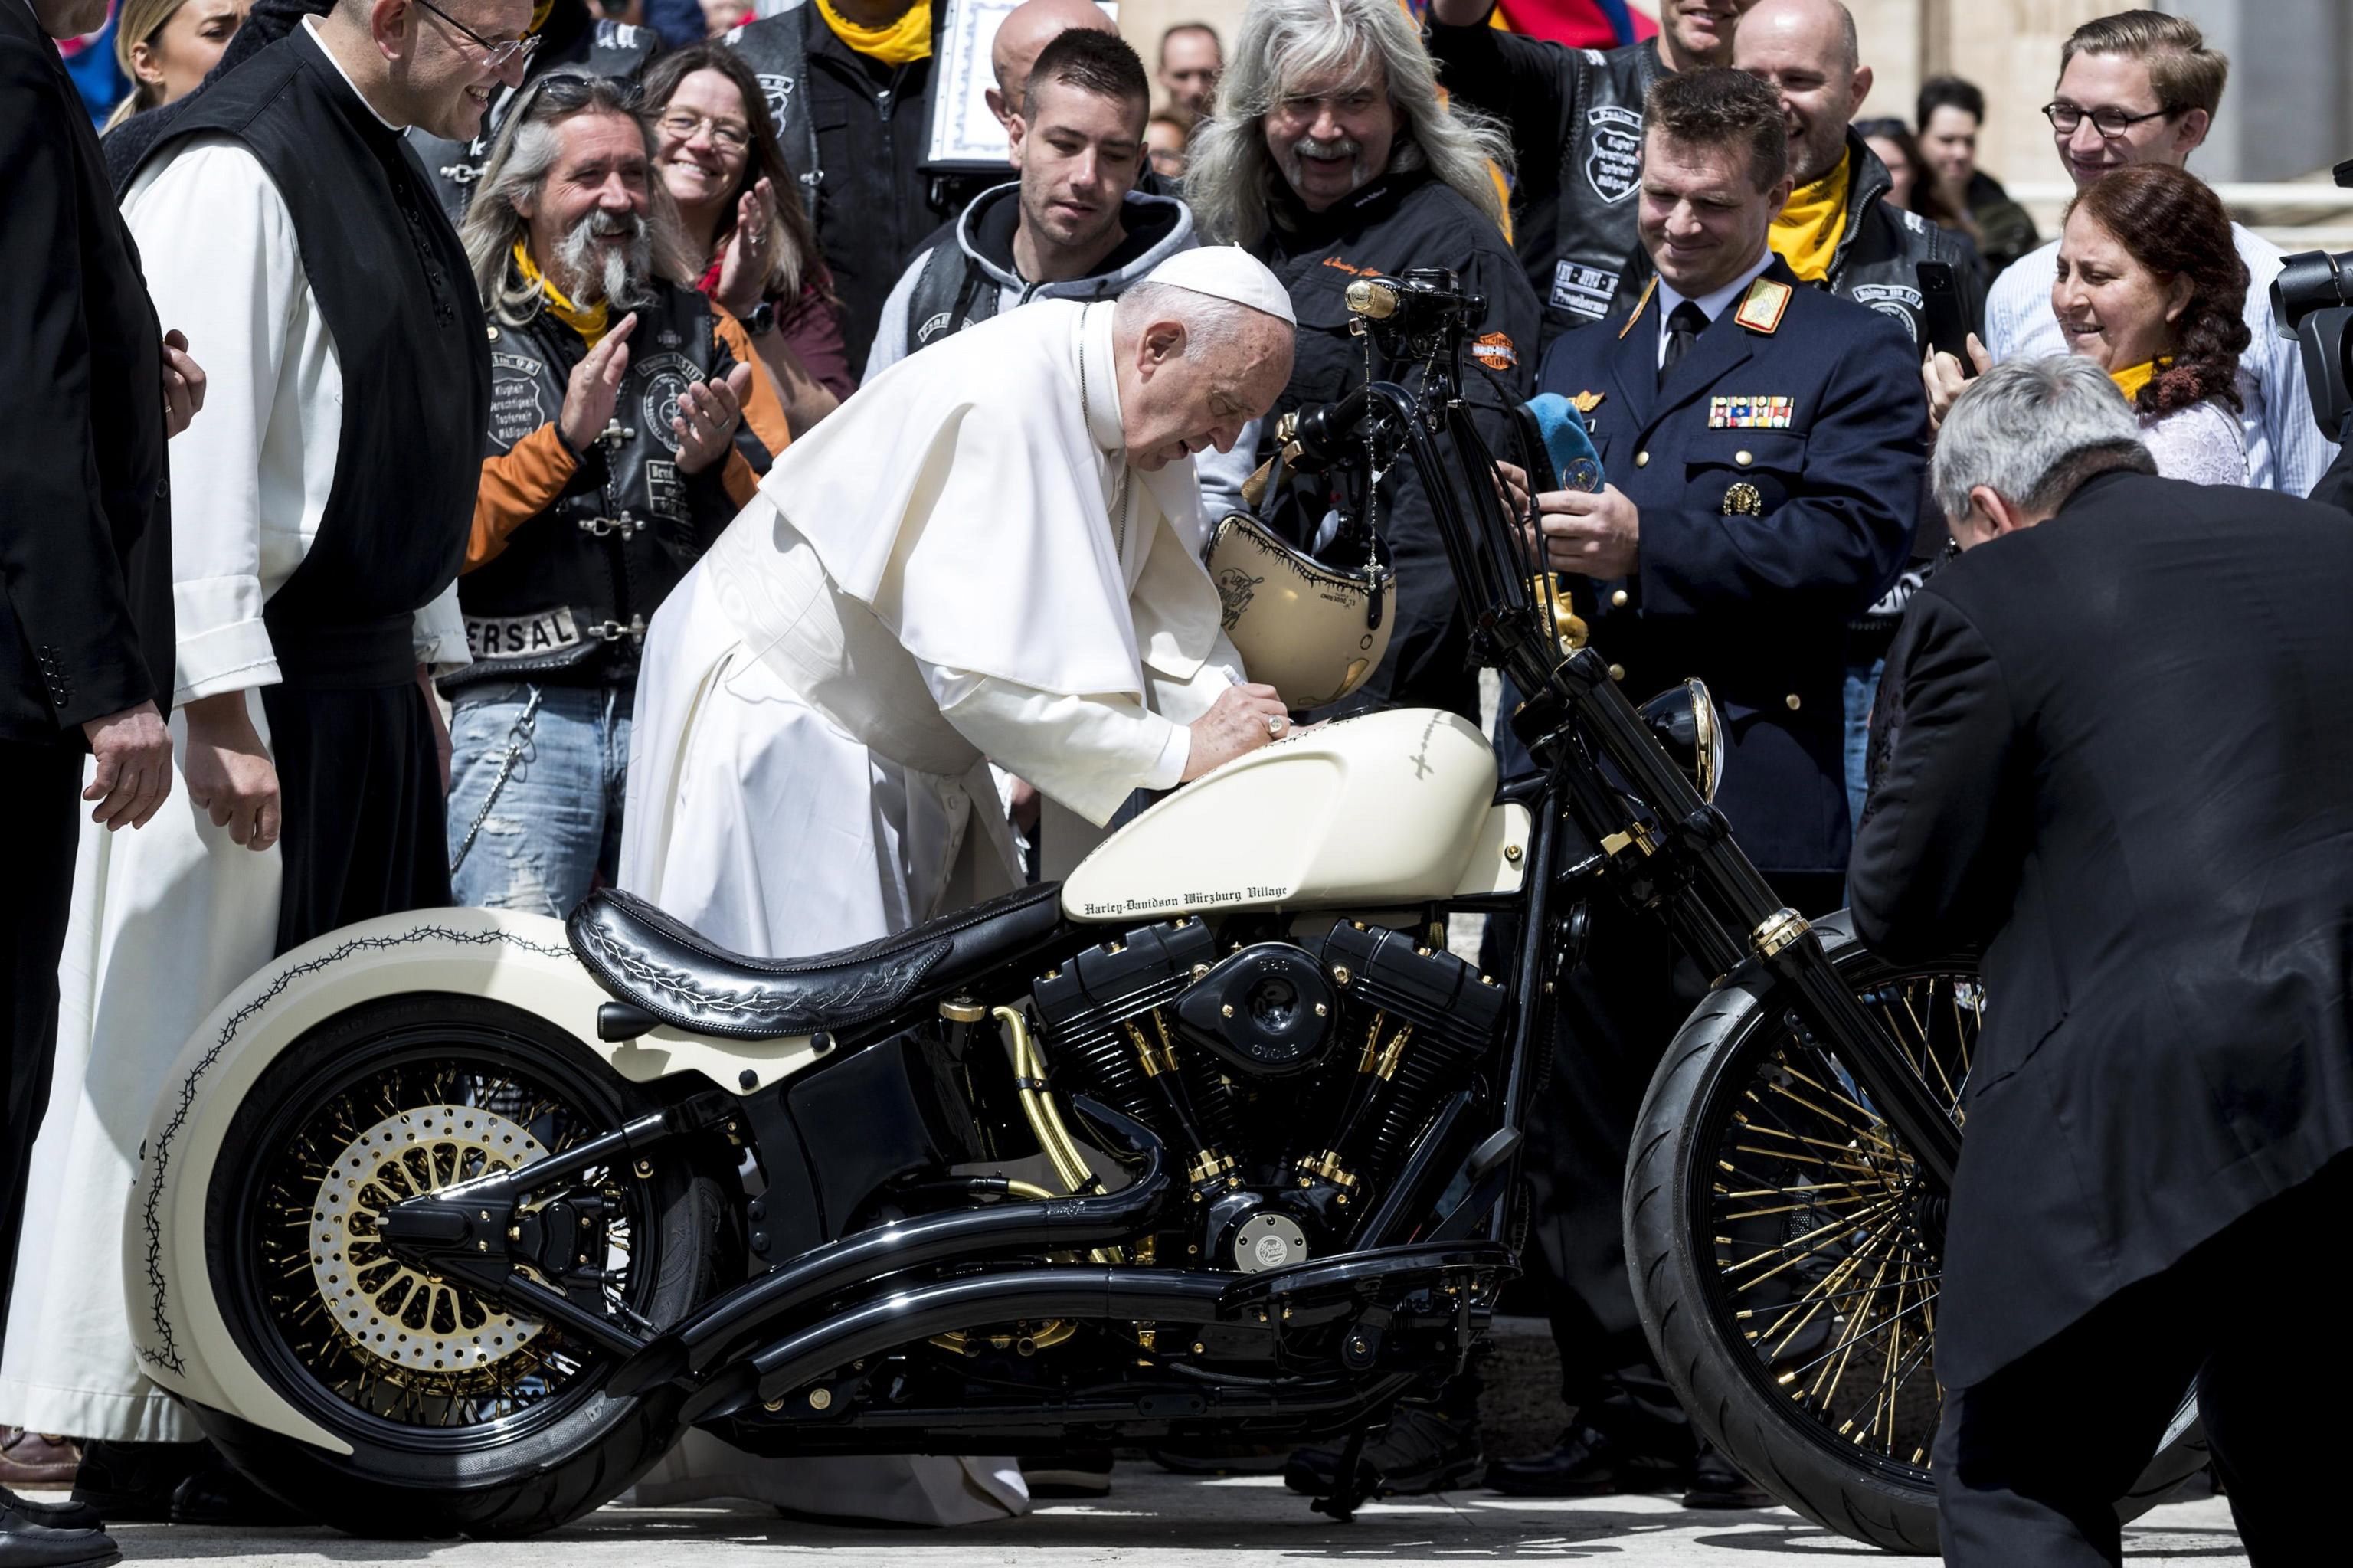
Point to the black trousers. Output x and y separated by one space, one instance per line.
40 788
2029 1462
366 823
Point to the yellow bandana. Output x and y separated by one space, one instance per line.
1807 233
2133 378
908 38
588 323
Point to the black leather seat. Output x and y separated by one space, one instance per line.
652 962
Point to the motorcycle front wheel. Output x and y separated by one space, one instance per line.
1784 1250
463 1419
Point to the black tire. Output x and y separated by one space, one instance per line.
1777 1410
534 1450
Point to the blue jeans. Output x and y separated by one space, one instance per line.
1861 689
537 839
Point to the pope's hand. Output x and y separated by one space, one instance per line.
596 386
1941 374
231 774
1244 718
708 413
1594 535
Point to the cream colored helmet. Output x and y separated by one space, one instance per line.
1311 632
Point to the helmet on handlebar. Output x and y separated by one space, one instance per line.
1310 631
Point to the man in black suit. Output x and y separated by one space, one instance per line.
2123 760
89 393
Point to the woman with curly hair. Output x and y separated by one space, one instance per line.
2150 286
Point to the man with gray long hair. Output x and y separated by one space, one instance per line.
620 445
1333 158
2123 751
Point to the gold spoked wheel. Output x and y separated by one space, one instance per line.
380 1307
1826 1239
389 1341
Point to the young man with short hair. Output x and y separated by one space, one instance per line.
1071 227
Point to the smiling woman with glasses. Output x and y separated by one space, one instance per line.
716 152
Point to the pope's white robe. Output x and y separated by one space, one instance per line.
955 567
168 917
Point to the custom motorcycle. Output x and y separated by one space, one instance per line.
453 1222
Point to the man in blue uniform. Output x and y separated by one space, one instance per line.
1764 455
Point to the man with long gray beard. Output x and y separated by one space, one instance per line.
628 424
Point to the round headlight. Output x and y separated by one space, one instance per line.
1684 720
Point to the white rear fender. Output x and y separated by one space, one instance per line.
524 960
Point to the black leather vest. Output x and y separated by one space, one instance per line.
777 51
569 598
1597 262
397 296
601 47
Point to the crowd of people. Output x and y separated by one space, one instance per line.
476 451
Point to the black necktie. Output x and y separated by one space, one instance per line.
1683 328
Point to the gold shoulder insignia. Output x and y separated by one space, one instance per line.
1761 307
1639 306
1586 402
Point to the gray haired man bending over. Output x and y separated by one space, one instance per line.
2122 759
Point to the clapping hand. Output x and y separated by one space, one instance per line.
743 265
595 386
708 413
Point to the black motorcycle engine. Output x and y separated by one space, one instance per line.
1293 1077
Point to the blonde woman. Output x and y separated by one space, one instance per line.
166 46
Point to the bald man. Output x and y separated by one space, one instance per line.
1028 28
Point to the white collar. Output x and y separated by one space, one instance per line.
1712 304
311 23
1099 377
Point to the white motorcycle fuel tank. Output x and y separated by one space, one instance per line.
1391 808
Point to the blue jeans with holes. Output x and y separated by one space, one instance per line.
542 835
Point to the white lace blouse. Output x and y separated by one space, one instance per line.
2201 444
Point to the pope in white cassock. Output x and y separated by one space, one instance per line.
990 554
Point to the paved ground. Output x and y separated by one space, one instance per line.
1156 1520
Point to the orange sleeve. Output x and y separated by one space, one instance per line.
516 487
764 410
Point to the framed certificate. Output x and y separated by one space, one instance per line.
963 136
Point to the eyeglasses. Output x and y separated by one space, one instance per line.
732 134
496 56
2065 117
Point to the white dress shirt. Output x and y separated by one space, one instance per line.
1711 303
2285 449
250 478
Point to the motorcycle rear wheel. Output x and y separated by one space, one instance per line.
462 1420
1784 1249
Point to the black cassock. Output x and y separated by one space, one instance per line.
2122 759
350 730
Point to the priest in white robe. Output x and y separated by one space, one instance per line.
991 554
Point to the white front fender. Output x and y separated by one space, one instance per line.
524 960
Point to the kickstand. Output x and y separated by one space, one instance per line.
1349 1488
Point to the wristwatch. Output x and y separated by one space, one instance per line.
760 318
